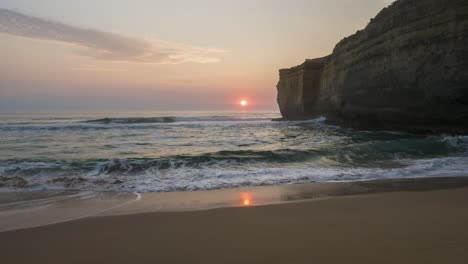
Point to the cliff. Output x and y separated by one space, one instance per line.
407 70
300 89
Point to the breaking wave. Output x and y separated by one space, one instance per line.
200 151
219 177
416 157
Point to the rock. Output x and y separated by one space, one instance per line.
407 70
298 89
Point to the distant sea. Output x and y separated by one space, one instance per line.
182 151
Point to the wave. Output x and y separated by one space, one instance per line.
374 154
191 179
165 153
133 120
170 119
31 167
124 123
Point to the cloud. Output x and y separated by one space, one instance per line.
104 45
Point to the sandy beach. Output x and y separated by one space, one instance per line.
219 132
414 225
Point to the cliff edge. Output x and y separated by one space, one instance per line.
407 70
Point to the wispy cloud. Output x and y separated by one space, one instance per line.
104 45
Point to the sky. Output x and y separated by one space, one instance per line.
151 55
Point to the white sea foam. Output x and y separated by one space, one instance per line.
209 151
217 177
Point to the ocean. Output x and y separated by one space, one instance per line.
188 151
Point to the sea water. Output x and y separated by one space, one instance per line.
185 151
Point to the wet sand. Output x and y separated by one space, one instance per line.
417 222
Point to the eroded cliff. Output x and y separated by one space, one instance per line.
407 70
299 89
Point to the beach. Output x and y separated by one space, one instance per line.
214 132
412 221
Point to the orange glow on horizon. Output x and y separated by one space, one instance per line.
243 103
246 202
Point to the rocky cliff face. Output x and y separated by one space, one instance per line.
407 70
299 89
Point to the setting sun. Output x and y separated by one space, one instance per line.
243 103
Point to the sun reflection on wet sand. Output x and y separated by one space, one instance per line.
246 199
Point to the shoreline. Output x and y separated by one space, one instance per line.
422 222
23 210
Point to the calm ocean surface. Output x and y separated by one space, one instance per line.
178 151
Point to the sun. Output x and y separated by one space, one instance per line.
243 103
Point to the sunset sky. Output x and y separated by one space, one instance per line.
148 55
